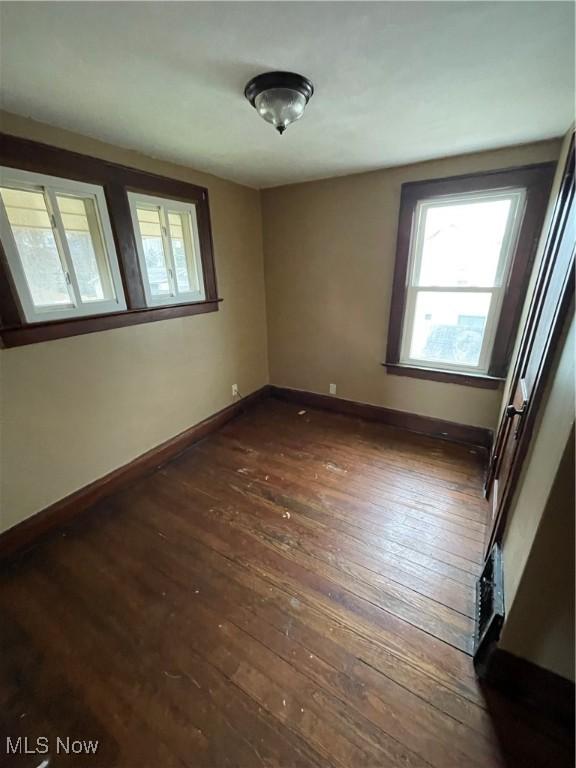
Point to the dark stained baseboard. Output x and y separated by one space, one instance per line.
424 425
533 685
29 531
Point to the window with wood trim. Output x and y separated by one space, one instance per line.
87 245
465 247
59 246
168 248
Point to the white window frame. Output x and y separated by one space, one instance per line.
164 206
51 187
497 291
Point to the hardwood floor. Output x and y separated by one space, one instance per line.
295 590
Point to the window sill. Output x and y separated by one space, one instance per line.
34 333
448 377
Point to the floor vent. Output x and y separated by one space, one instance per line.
489 609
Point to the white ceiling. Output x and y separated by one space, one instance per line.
396 82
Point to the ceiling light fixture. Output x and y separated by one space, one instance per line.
279 97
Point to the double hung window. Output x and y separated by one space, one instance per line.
464 250
460 257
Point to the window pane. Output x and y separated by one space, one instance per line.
449 327
30 223
180 225
151 232
86 248
176 223
462 243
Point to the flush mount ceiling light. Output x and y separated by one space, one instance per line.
279 97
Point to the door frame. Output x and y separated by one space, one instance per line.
548 269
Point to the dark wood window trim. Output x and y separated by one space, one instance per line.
117 181
537 181
448 377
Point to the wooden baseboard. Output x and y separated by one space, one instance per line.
424 425
29 531
533 685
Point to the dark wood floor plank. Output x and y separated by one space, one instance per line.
254 669
303 437
321 504
461 708
173 703
417 519
334 428
429 731
378 458
62 680
343 488
298 542
414 486
265 594
319 539
180 517
295 591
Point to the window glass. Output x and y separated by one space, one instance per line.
167 249
460 252
449 327
153 246
183 252
462 242
87 252
32 229
59 246
179 251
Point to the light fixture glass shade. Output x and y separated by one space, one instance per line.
279 97
280 106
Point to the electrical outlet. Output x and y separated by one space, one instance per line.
332 389
235 390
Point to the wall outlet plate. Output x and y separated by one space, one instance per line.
332 389
235 392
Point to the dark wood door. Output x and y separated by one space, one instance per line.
551 302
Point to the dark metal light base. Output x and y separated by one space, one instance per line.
269 80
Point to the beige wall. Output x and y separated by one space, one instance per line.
540 623
329 250
74 409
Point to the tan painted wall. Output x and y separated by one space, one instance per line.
76 408
540 623
329 249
